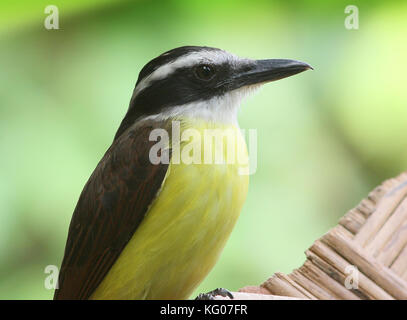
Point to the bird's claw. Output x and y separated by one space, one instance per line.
217 292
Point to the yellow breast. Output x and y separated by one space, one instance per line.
187 225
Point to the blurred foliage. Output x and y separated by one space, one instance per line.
325 138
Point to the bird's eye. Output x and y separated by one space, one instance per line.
205 72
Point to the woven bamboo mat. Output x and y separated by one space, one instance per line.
363 257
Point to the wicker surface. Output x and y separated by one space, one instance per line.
363 257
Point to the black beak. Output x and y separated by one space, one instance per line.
261 71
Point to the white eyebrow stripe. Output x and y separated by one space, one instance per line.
209 56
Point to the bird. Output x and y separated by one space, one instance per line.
149 225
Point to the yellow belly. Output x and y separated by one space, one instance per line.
184 231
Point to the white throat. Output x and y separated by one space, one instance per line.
221 109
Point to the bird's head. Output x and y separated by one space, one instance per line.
201 82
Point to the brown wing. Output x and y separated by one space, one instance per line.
111 206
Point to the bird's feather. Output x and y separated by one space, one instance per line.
112 205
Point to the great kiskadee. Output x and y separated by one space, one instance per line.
148 230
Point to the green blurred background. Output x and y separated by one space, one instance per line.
325 138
